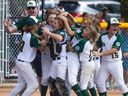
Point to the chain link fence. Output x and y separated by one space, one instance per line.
9 43
124 33
3 49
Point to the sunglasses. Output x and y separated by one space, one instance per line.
30 8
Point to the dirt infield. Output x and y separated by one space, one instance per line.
6 91
7 87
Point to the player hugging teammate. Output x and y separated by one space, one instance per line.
67 47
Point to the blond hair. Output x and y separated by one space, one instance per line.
93 34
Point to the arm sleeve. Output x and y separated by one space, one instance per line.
64 35
118 42
99 42
34 42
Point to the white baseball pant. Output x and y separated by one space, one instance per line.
26 75
116 70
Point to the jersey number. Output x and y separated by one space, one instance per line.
22 45
90 56
115 55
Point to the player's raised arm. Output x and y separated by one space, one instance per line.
67 26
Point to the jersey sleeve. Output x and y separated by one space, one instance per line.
64 34
118 42
40 18
99 42
78 34
34 42
80 46
39 31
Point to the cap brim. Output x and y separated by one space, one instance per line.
31 6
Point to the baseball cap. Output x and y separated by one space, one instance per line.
31 3
31 21
113 21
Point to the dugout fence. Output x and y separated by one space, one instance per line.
9 47
9 43
3 13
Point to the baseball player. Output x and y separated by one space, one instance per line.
87 60
57 45
96 25
26 74
75 34
111 54
32 10
46 60
84 48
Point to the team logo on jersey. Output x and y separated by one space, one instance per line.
78 30
117 43
62 33
77 48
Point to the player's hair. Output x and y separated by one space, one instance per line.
49 12
93 34
61 22
96 25
29 28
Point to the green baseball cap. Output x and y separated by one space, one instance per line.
31 20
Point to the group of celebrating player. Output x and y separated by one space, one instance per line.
66 49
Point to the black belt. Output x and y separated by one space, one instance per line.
20 60
56 58
96 58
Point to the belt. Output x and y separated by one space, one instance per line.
96 58
20 60
56 58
